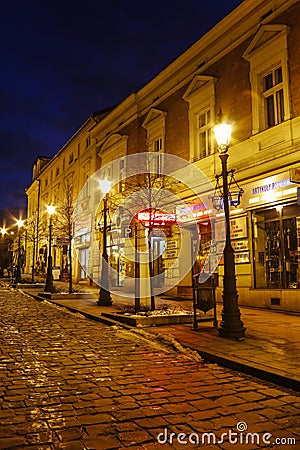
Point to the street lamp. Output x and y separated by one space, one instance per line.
3 232
231 325
18 278
49 287
104 294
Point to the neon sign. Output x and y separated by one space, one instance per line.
156 217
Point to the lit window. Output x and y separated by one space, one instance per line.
201 98
269 77
157 145
273 97
204 135
155 124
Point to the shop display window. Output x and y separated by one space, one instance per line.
276 233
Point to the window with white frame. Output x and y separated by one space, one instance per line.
268 57
155 124
273 97
114 149
204 141
158 144
201 97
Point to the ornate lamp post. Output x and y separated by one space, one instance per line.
49 287
18 278
3 232
104 294
231 325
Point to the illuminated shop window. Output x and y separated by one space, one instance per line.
276 240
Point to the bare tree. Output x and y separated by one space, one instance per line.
36 229
151 192
64 222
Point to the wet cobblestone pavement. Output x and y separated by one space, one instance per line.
70 383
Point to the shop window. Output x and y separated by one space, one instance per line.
276 241
205 238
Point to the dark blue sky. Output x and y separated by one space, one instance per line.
63 60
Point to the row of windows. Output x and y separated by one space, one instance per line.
273 107
71 158
273 99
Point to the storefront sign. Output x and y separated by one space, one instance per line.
295 175
270 186
269 189
240 245
56 273
168 263
170 245
238 228
169 254
240 258
156 218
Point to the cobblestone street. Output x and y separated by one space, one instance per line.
71 383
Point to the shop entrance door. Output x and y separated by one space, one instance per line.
84 262
157 246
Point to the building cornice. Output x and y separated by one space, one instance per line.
227 34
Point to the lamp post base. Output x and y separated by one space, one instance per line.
231 325
49 287
18 278
104 298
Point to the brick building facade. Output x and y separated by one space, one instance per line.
245 70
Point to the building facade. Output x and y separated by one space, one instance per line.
245 70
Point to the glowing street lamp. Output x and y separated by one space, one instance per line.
49 287
104 294
231 325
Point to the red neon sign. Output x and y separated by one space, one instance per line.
156 217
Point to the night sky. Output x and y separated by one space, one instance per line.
63 60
